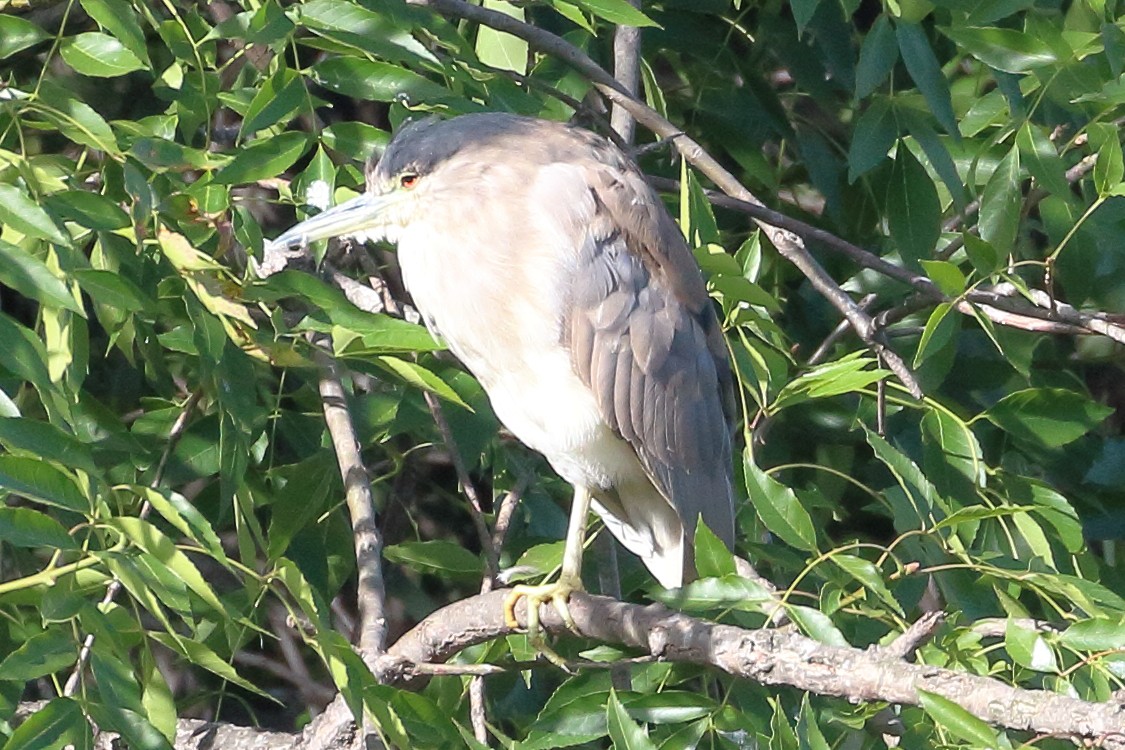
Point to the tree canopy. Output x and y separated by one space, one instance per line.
246 499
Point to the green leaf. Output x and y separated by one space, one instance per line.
850 373
25 216
416 375
913 208
809 734
717 594
185 517
984 257
1029 648
1047 416
119 18
875 134
1004 49
75 119
24 527
202 656
42 654
921 496
712 558
436 556
113 290
38 480
616 11
376 81
88 209
877 57
24 354
869 576
500 49
155 543
778 507
957 720
924 69
60 723
304 496
31 277
18 34
940 331
1000 204
946 275
1042 160
817 625
1108 169
625 733
355 139
99 55
264 158
1096 634
280 96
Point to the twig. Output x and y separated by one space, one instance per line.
911 639
174 435
476 509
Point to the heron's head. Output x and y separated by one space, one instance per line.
428 161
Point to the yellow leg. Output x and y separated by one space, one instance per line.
557 593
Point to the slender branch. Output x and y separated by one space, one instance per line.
361 507
773 657
476 509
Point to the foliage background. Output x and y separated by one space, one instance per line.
145 149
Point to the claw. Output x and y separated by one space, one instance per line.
558 594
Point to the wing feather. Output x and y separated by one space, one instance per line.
658 365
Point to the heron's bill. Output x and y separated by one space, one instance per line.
360 215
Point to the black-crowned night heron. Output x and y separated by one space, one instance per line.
548 265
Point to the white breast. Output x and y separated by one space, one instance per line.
500 309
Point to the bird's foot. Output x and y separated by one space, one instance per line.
557 594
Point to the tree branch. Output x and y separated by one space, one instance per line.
774 657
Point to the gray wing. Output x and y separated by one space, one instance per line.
644 336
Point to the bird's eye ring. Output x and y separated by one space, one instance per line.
408 180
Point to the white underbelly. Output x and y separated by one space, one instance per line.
551 410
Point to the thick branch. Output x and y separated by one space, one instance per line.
773 657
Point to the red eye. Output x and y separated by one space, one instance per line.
408 181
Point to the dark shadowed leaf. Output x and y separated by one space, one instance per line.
913 208
436 556
924 68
